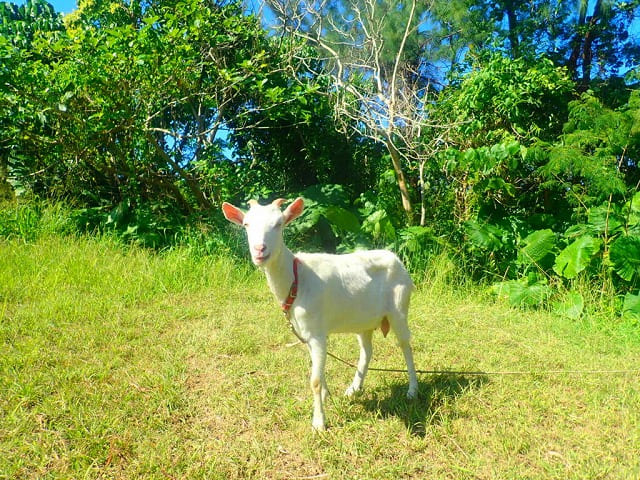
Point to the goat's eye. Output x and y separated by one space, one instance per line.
245 225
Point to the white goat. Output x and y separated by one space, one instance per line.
356 293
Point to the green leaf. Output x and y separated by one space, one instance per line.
484 235
575 231
572 307
379 226
632 214
634 203
529 291
576 256
625 256
604 219
537 245
131 230
493 184
631 307
343 219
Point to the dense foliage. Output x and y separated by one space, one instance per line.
144 116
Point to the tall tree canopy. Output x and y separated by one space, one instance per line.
145 102
592 39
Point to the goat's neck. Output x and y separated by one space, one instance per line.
279 274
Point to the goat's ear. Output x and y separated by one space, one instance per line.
233 214
278 202
293 211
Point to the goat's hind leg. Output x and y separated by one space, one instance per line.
412 392
401 330
366 349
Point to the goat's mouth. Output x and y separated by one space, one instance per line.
260 259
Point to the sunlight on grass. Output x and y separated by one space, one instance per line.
122 363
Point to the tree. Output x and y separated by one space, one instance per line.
381 83
126 105
22 24
20 27
593 40
503 98
602 36
595 160
502 108
298 145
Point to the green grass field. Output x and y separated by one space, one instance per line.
122 363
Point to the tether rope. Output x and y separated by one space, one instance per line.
472 372
497 372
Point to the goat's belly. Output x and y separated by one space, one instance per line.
354 323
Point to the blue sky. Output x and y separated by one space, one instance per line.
62 6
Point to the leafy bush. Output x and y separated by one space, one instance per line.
141 225
604 245
334 223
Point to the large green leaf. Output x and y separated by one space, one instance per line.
576 256
605 218
484 235
536 246
634 203
625 256
529 291
342 218
632 213
571 307
495 184
631 307
379 226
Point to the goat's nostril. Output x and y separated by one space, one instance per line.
260 248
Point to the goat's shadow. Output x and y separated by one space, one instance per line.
430 407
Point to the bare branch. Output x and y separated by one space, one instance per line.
378 90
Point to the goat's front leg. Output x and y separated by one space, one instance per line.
366 348
318 351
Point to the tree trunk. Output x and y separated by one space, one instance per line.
396 160
513 33
583 42
423 193
572 62
587 50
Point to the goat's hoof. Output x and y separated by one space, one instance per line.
352 391
412 394
318 427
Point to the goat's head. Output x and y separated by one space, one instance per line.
264 224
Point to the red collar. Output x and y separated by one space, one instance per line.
293 290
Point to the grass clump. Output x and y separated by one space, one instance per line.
128 363
29 220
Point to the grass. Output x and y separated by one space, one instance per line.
121 363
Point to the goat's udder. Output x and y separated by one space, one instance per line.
384 326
